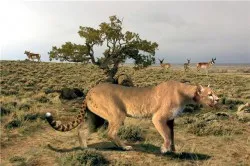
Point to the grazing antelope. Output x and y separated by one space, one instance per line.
205 65
32 56
164 65
187 65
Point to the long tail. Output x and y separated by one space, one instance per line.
71 125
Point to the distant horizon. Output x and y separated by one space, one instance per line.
133 63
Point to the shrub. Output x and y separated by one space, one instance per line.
202 128
48 90
29 88
6 108
91 158
231 103
223 100
9 92
234 102
86 157
4 111
191 108
131 133
33 117
13 124
24 106
42 99
19 159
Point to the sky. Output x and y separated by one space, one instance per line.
195 30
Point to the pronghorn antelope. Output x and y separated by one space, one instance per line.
164 65
187 65
32 56
205 65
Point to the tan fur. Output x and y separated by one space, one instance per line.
164 65
33 56
162 102
205 65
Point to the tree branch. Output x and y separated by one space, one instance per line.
91 53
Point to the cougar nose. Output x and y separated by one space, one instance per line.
217 99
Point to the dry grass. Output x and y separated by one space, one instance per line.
202 137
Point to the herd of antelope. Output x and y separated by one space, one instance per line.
200 65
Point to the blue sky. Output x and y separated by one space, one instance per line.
196 30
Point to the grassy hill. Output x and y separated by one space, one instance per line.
203 136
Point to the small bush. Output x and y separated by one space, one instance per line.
13 124
48 90
131 133
6 108
86 157
29 88
91 158
24 106
231 103
30 83
9 92
17 159
42 99
191 108
223 100
33 117
234 102
202 128
4 111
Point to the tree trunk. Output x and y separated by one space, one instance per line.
112 72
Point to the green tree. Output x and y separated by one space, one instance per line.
69 52
119 47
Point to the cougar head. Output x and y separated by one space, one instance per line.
206 96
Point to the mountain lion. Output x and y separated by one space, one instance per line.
115 102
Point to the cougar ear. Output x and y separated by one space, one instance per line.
208 85
199 89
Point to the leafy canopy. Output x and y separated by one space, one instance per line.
119 47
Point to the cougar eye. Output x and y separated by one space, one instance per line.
210 94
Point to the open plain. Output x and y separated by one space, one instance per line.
203 136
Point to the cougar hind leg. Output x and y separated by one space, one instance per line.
83 133
90 125
113 128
